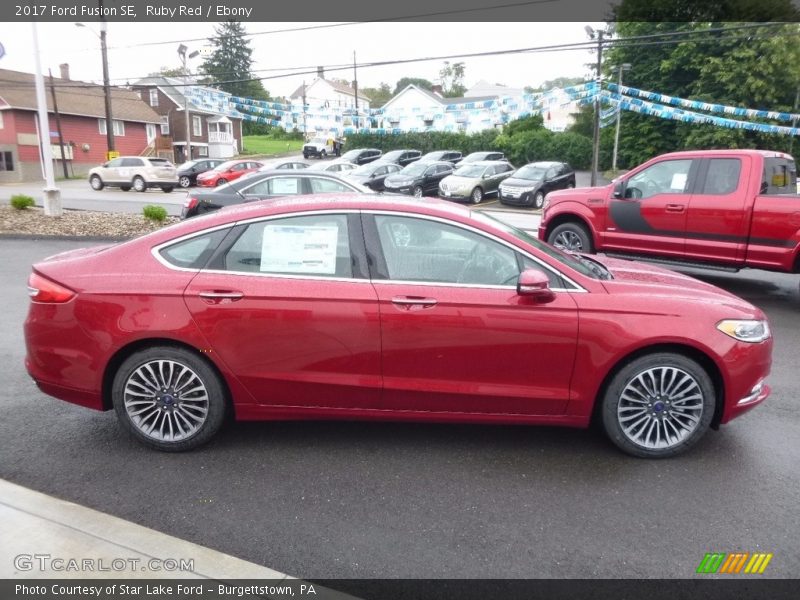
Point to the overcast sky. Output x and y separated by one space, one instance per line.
129 59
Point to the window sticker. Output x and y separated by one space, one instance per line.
299 249
678 182
284 186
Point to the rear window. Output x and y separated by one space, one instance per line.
160 162
780 176
194 252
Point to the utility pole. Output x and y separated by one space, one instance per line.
305 127
355 87
106 84
794 121
622 67
58 124
596 132
52 196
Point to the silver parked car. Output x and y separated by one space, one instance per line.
475 180
137 172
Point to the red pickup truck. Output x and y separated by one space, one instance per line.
720 209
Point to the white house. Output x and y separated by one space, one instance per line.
330 105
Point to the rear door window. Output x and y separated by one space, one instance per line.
722 176
779 177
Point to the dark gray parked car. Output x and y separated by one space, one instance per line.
401 157
419 178
528 185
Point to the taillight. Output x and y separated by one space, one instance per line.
190 203
43 290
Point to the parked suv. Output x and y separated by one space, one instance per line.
418 179
528 185
362 156
474 180
137 172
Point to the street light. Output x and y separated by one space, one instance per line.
182 53
106 85
596 128
622 67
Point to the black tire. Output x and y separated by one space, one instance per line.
682 374
125 188
221 181
538 199
571 236
322 154
96 183
476 196
139 184
417 192
185 181
167 188
305 155
136 425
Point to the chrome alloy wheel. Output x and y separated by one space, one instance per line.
660 407
166 401
568 240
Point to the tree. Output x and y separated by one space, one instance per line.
417 81
753 68
378 96
452 77
228 67
170 72
558 82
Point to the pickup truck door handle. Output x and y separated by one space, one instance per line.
219 296
411 302
675 208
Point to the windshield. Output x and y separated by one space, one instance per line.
321 141
413 170
474 156
351 155
569 260
531 172
364 170
432 156
225 166
394 154
470 171
187 165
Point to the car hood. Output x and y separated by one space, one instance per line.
643 279
460 180
520 182
397 178
579 194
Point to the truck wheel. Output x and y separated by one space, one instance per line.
305 155
571 236
658 405
322 154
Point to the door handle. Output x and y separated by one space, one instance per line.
219 296
409 302
675 208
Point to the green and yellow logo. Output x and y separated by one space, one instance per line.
734 563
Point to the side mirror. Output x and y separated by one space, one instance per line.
619 189
534 284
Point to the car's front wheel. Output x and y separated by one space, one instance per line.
538 199
96 183
658 405
168 398
571 236
185 182
221 181
417 191
139 185
476 196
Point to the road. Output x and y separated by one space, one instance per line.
363 500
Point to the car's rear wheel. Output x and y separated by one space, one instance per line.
185 182
538 200
417 191
125 188
658 405
96 183
476 196
221 181
168 398
571 236
139 185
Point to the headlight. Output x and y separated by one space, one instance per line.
745 330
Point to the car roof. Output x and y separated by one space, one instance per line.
544 163
487 163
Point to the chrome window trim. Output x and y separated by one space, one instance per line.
578 287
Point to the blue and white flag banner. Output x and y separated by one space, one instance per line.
708 107
667 112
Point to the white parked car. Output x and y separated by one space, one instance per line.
137 172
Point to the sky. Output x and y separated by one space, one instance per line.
129 59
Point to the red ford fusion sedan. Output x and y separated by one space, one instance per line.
227 171
370 307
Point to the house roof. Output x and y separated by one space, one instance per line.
483 88
18 90
173 88
443 101
339 87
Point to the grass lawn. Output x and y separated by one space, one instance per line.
263 144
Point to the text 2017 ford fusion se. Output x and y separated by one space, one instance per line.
368 307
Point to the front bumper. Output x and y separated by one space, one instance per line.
523 199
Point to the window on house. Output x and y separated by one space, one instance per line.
6 161
197 126
119 127
165 125
202 150
153 97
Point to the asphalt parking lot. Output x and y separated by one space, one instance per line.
362 500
